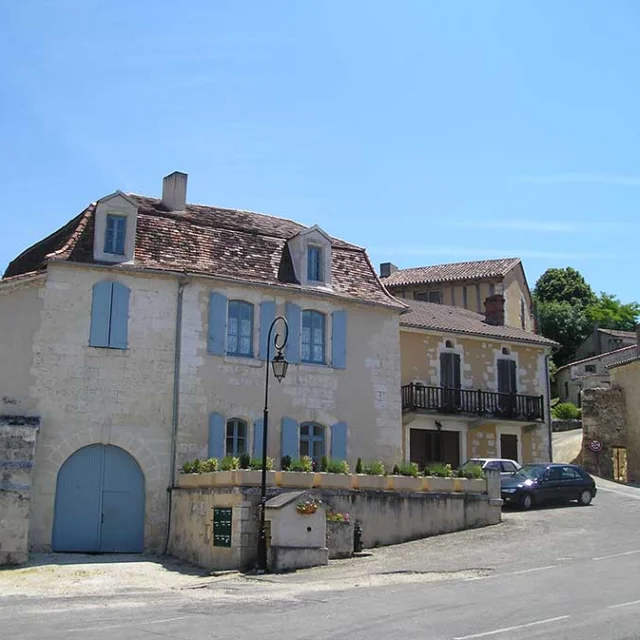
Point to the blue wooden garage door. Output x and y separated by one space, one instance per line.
99 502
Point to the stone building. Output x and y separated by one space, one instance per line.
137 335
467 285
472 385
602 341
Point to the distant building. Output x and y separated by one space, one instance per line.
604 340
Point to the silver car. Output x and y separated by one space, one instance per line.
505 466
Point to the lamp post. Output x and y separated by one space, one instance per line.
280 366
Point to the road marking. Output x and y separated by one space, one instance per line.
131 623
624 604
617 555
517 573
520 626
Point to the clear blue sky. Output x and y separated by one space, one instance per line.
426 131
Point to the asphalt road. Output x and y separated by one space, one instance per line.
567 573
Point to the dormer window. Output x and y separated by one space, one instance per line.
315 264
115 234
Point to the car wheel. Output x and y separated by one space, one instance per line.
585 497
526 502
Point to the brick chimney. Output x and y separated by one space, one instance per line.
174 191
387 268
494 310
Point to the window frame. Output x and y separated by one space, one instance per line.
315 267
310 439
590 368
239 305
119 221
313 314
235 424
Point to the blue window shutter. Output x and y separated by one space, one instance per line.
339 441
216 435
257 438
289 438
339 339
294 315
217 323
267 315
100 314
119 316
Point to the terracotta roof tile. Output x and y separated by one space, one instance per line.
622 354
454 272
209 240
628 335
440 317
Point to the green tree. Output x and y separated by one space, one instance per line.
564 285
609 313
565 323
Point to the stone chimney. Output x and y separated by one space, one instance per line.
387 268
174 191
494 310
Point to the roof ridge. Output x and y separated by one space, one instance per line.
602 355
455 264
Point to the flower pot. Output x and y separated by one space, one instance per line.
294 479
440 485
473 485
253 478
332 480
406 483
372 483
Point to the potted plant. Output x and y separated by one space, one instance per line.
307 507
252 475
406 479
472 479
439 478
298 475
371 476
336 475
228 466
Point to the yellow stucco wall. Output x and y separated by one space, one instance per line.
628 377
516 290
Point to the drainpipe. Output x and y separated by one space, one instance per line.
176 405
547 408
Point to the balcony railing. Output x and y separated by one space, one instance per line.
502 406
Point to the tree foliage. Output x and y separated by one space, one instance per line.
609 313
565 323
564 285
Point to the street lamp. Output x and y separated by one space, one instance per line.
280 365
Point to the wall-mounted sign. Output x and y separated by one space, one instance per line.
595 446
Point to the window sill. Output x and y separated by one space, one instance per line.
250 361
111 349
316 365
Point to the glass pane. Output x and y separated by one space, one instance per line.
318 431
232 344
233 324
230 426
245 346
306 352
304 430
230 446
245 327
318 449
241 429
306 319
304 448
241 446
318 354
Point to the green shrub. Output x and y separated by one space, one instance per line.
285 463
230 463
210 465
472 471
324 462
244 460
438 470
338 466
396 470
197 466
303 464
359 467
566 411
256 464
187 467
375 468
408 469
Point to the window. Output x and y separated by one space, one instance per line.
115 234
314 264
312 440
523 320
570 474
465 297
430 296
590 368
494 464
109 315
507 376
508 467
505 351
448 344
313 337
236 442
240 328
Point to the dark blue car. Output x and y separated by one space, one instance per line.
547 482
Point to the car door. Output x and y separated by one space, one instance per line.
549 485
572 484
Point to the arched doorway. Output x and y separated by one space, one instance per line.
99 502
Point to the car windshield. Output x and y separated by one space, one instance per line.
529 472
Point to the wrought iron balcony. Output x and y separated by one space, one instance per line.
501 406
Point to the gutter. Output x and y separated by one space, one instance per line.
182 283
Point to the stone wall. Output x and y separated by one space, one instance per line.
603 419
17 448
565 425
386 517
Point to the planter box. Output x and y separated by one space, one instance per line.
364 481
473 485
440 485
188 480
223 478
405 483
253 478
294 479
332 481
340 539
